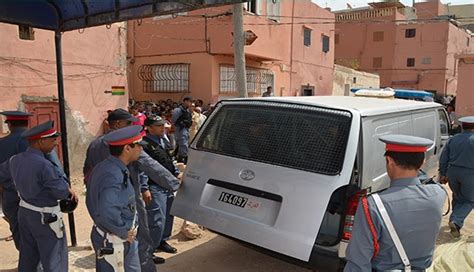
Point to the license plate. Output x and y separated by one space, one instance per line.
235 200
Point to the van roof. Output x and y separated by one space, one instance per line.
366 106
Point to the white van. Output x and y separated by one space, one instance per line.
285 173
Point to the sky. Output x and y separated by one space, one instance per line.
342 4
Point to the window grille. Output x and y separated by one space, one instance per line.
257 80
289 135
165 78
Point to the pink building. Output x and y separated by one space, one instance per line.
403 45
465 94
192 53
93 61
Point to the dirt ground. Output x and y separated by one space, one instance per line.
213 252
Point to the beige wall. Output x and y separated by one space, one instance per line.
465 92
92 62
344 76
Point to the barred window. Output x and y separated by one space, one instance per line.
295 136
257 80
165 78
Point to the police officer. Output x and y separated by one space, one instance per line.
40 186
160 221
456 167
11 145
98 150
111 203
396 229
182 120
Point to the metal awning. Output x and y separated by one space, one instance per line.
66 15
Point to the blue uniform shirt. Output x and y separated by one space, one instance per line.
459 151
37 180
416 212
10 145
98 150
111 198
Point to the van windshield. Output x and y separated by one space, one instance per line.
296 136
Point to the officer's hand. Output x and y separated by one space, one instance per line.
147 197
180 177
443 180
74 195
131 236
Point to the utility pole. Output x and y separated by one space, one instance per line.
239 54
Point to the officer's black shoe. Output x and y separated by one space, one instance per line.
158 260
454 229
167 248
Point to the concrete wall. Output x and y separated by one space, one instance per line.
436 41
465 91
279 47
344 80
93 62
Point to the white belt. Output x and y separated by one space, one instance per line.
26 205
393 233
113 239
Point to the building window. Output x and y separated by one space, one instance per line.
378 36
325 41
336 39
257 80
468 41
377 62
165 78
410 33
426 61
252 6
26 33
411 62
307 36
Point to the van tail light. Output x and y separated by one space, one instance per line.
350 215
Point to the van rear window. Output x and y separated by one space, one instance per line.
296 136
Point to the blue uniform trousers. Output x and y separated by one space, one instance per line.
182 141
169 218
160 221
10 202
145 241
131 260
461 182
39 243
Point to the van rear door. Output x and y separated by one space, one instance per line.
263 172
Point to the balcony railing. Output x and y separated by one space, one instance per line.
368 14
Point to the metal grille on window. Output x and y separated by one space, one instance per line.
257 80
294 136
165 78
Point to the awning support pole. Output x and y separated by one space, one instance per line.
62 118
